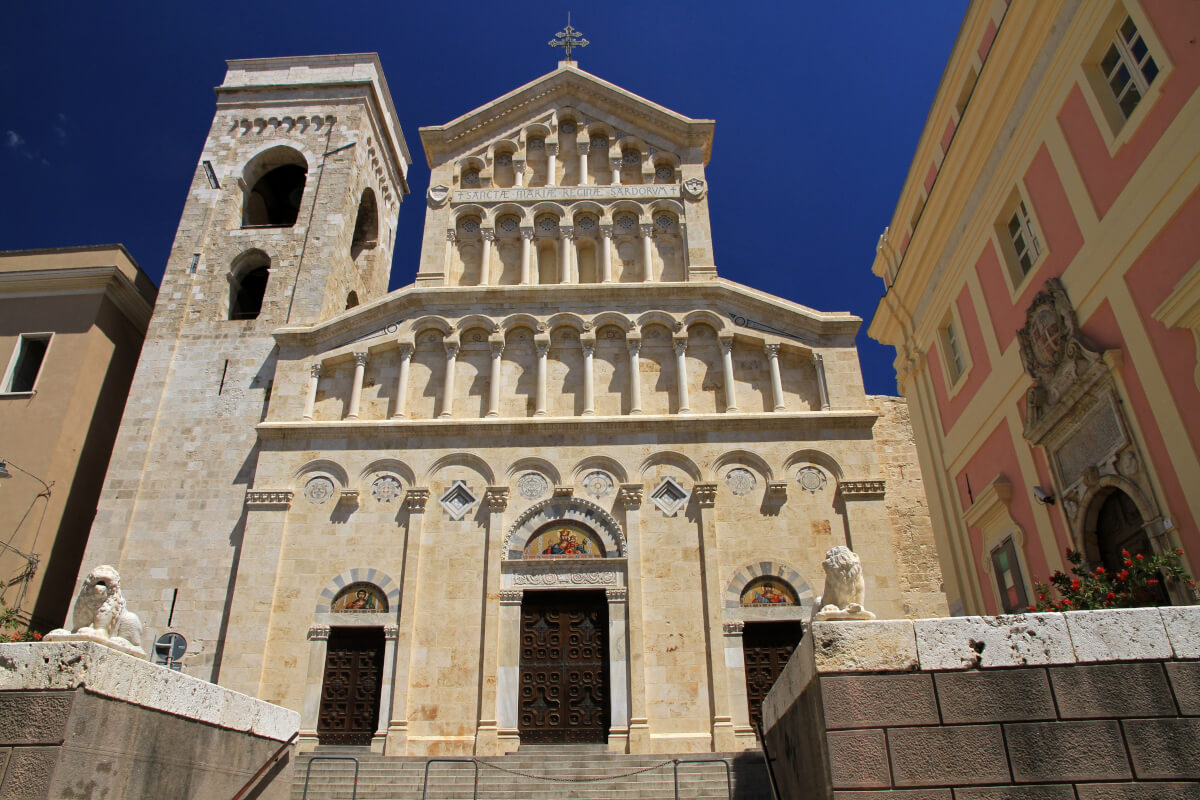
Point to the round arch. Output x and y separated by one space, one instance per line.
389 587
768 569
554 509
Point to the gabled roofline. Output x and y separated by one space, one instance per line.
699 132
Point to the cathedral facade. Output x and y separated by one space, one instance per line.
569 485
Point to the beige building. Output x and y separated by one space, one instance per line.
569 485
1042 275
72 322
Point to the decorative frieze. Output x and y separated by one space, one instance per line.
617 594
861 490
511 596
318 633
280 500
415 500
556 575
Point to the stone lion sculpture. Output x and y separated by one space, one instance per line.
844 587
100 615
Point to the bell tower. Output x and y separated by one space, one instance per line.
290 220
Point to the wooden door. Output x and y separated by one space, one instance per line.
350 692
766 646
564 667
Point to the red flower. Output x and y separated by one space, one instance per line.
1041 597
1112 596
37 637
1032 608
1075 584
1123 575
1128 563
1124 554
1141 557
1178 552
1152 582
1099 570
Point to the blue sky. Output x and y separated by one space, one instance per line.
819 106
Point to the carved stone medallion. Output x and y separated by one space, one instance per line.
740 481
598 484
531 485
385 488
437 195
318 490
811 479
694 188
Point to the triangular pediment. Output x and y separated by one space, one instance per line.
568 86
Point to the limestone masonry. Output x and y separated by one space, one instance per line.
568 486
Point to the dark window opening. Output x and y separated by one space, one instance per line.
366 225
275 199
31 353
351 300
247 293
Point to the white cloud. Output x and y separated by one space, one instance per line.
13 140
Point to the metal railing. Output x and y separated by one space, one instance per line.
308 773
722 761
474 763
266 765
762 742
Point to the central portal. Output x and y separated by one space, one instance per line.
564 667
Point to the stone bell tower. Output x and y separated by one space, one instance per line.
290 219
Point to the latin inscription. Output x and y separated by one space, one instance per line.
650 191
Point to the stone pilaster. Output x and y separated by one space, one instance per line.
397 733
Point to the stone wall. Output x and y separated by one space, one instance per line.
80 720
1094 705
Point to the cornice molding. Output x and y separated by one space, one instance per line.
80 280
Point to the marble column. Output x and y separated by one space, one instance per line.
448 261
360 368
727 369
618 669
406 354
414 502
494 380
387 686
648 253
681 375
508 672
565 240
310 399
551 164
448 380
722 720
543 348
614 164
488 238
772 351
739 702
526 247
583 159
589 391
518 172
487 730
606 248
822 385
630 496
635 376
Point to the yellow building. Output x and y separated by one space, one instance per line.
72 322
1042 276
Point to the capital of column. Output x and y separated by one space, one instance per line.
616 594
451 235
647 231
634 345
315 369
406 350
452 348
391 633
488 234
527 233
415 499
589 347
680 346
542 345
318 633
511 597
726 344
567 231
497 498
734 627
630 495
497 348
606 231
360 359
705 494
772 350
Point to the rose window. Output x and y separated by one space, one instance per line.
665 223
470 178
469 225
509 224
626 223
664 173
587 224
548 224
567 127
631 157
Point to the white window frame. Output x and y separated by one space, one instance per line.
952 346
1015 569
5 387
1115 127
1030 231
1135 69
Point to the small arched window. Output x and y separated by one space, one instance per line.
274 183
248 284
366 225
351 300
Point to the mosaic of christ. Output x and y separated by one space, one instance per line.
564 540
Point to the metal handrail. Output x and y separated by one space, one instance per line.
308 773
762 742
725 762
274 757
473 762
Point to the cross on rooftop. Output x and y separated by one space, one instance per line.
568 38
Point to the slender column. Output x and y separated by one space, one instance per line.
448 382
508 672
576 252
727 367
630 495
583 170
406 353
606 235
618 660
551 164
722 720
647 253
519 172
589 394
485 268
494 380
614 164
387 687
360 367
487 732
414 501
739 703
310 400
451 238
543 347
822 386
681 375
526 247
772 351
564 254
635 377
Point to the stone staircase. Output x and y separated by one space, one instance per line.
506 777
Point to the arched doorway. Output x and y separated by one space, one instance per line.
1119 526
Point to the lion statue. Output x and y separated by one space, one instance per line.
844 587
100 615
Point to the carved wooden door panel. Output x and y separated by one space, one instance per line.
766 646
350 692
564 667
